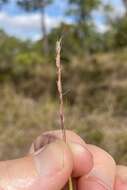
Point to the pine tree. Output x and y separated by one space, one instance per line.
81 11
38 5
35 5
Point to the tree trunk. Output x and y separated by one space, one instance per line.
44 32
125 4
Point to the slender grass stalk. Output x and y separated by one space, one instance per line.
70 184
59 86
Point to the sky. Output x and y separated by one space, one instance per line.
18 23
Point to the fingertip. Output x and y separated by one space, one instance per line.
54 165
121 178
54 157
83 159
103 172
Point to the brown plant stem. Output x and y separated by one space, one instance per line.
59 86
60 91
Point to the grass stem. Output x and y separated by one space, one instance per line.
70 184
59 86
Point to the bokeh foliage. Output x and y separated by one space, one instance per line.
94 82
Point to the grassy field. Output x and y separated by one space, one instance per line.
95 105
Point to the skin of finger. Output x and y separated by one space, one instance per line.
103 171
17 173
83 159
9 164
22 174
70 136
121 178
57 180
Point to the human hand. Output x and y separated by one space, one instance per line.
48 167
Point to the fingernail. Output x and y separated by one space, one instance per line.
50 159
92 184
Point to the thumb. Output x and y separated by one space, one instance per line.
54 164
48 168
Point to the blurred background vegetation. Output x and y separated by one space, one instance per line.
94 80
